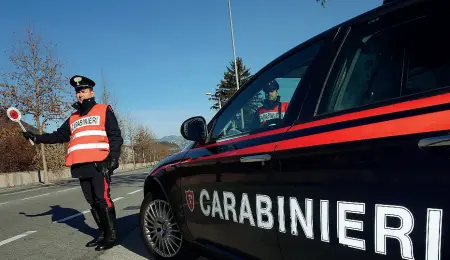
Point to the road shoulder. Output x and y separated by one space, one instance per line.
131 248
62 182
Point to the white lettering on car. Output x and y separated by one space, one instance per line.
281 217
246 211
264 210
324 221
205 210
434 234
382 231
229 207
216 208
344 223
297 215
303 214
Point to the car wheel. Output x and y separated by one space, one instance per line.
160 232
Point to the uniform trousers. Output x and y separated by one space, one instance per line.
96 190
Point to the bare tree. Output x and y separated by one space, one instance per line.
130 128
144 143
36 85
107 96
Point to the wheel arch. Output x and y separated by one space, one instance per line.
154 186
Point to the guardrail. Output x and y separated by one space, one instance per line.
15 179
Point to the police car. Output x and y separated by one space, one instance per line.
357 167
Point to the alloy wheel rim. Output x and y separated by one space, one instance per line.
161 230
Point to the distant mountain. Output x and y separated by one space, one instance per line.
171 147
175 139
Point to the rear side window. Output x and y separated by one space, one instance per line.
427 61
388 63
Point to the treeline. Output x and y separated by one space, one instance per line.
140 144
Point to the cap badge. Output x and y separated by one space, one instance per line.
78 80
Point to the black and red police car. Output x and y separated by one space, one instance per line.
356 165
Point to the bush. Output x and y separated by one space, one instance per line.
17 154
55 155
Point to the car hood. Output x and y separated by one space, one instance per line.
170 159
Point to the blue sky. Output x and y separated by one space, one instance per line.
161 57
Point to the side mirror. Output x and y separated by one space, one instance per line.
194 129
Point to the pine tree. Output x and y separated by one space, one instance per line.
227 86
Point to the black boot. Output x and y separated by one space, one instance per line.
108 216
101 236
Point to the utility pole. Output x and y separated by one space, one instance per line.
234 54
234 48
217 97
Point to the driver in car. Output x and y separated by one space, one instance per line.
272 108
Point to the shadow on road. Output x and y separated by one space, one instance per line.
124 226
59 213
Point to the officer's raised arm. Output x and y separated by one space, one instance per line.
61 135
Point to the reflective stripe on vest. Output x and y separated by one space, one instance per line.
87 146
88 140
88 133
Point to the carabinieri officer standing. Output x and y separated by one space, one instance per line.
93 154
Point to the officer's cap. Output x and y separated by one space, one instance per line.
79 82
273 85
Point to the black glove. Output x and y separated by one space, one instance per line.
113 164
29 135
107 167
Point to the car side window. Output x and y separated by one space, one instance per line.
427 57
264 102
384 64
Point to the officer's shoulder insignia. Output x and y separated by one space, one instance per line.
110 108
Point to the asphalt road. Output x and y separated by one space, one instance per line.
54 222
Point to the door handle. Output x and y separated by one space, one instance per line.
438 141
256 158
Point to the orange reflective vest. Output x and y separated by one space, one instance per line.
88 139
266 114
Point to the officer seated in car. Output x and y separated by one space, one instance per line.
272 110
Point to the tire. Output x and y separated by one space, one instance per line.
162 228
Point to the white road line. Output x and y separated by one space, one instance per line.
134 192
30 190
116 199
73 216
81 213
67 189
37 196
24 191
9 240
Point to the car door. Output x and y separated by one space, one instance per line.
227 206
364 171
